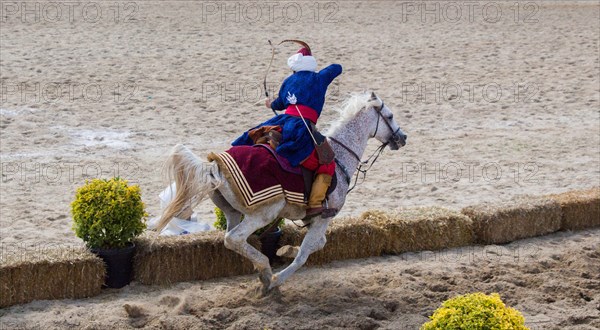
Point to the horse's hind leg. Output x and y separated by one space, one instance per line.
313 241
233 216
236 240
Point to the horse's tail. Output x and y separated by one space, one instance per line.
193 178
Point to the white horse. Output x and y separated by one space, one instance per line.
363 116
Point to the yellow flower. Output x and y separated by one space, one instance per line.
475 311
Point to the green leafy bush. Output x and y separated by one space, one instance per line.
108 213
475 311
221 222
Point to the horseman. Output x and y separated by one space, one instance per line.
302 96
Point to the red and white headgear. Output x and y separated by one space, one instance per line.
302 61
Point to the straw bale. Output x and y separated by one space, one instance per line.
199 256
350 239
422 228
376 232
515 219
580 208
346 239
291 235
49 274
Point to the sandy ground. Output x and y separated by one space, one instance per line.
553 280
508 95
110 97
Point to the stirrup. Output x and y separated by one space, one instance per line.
313 212
324 212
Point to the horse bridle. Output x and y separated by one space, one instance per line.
374 156
395 133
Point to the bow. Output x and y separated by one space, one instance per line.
300 42
266 73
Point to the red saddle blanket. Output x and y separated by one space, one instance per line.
259 175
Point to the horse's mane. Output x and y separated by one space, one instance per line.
348 109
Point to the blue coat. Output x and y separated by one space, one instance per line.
309 89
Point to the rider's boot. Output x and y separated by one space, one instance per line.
318 194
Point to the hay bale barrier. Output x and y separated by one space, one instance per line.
421 228
200 256
519 218
347 238
376 233
580 208
59 273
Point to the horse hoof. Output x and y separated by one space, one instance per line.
258 291
275 293
263 291
265 277
274 282
288 251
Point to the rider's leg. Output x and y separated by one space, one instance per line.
318 194
320 185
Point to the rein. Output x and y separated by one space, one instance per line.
360 169
346 147
364 166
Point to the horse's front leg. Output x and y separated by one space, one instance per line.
236 240
313 241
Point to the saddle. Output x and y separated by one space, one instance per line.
308 176
271 136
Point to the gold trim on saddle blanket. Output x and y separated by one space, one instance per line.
233 174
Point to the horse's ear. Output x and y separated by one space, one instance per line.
373 97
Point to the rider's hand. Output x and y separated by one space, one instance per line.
268 103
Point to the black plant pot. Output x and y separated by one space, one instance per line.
119 265
270 243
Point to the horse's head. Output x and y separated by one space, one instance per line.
385 129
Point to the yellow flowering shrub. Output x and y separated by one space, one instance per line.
475 311
108 213
221 222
